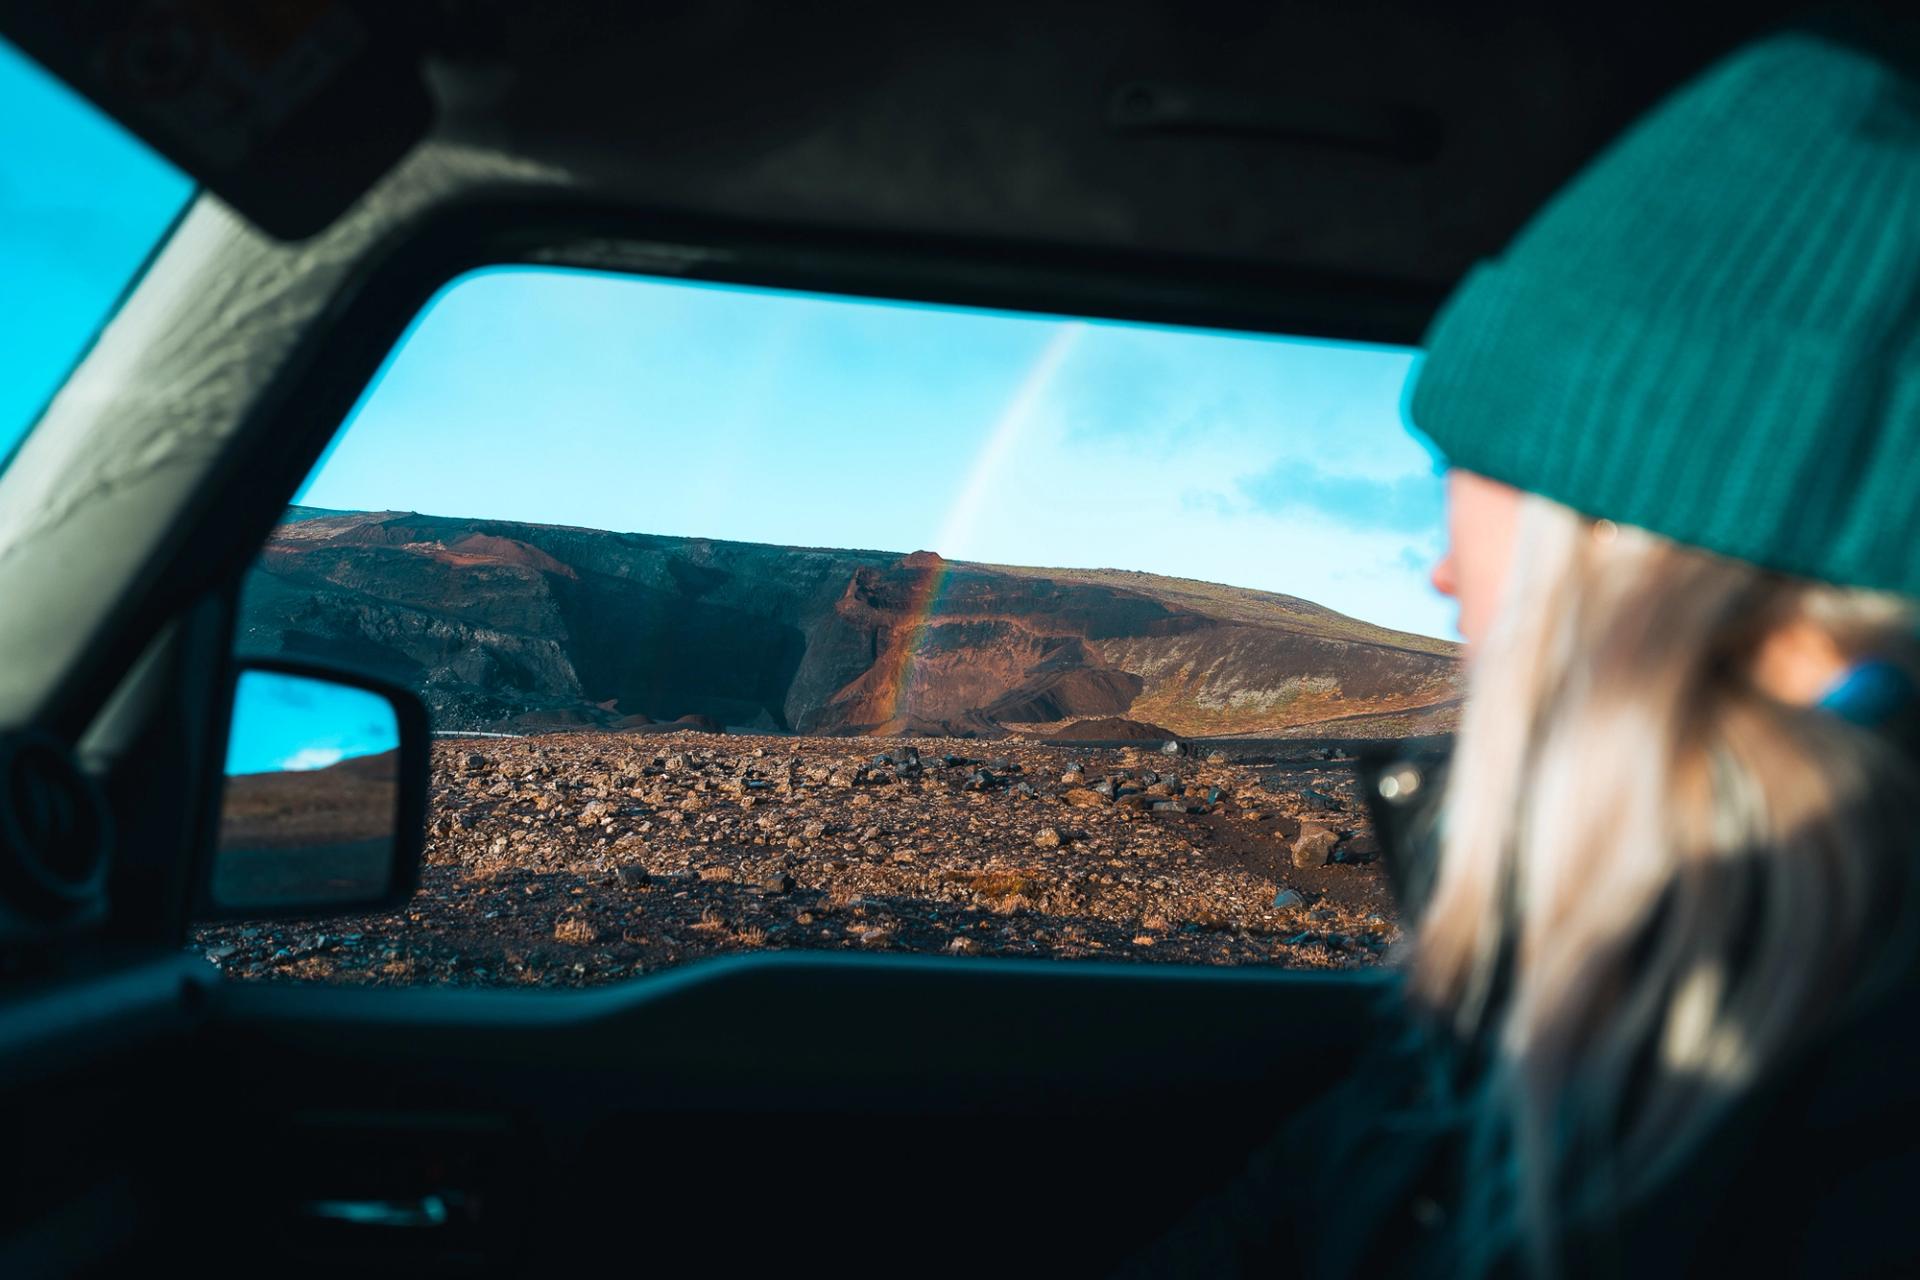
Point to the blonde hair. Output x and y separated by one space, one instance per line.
1654 879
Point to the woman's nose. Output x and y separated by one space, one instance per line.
1442 576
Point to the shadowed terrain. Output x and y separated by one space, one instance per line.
307 835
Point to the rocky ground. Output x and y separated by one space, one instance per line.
576 858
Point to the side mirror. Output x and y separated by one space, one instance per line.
325 799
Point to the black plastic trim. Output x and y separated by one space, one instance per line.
834 1030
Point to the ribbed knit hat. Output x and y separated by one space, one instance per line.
1714 331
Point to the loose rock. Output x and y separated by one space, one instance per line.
1313 846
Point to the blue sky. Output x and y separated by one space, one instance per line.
81 203
283 722
622 403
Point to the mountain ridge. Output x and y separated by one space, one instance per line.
505 624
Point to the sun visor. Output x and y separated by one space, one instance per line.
288 111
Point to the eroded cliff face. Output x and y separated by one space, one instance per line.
508 626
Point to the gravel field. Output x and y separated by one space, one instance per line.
571 859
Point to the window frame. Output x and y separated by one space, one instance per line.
287 429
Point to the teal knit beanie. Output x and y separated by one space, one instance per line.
1714 331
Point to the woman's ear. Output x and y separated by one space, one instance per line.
1797 661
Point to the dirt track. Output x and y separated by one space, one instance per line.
578 858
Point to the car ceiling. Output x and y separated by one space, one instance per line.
1388 143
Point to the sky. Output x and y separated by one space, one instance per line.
289 723
81 204
637 405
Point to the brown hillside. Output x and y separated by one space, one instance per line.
529 627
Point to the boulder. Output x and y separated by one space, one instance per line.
1314 845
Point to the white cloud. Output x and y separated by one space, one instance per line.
1175 501
312 758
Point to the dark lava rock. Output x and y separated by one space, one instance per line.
1360 848
631 876
1319 800
779 882
1111 729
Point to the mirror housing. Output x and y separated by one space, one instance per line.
324 796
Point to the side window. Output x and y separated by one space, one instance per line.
756 620
82 203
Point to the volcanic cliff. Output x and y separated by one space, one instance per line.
509 626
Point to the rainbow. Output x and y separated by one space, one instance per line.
895 667
956 531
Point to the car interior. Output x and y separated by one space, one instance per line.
1302 168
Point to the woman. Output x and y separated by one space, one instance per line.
1660 1016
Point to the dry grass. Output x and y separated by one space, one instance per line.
575 930
997 884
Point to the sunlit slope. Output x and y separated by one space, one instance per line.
508 626
1241 604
